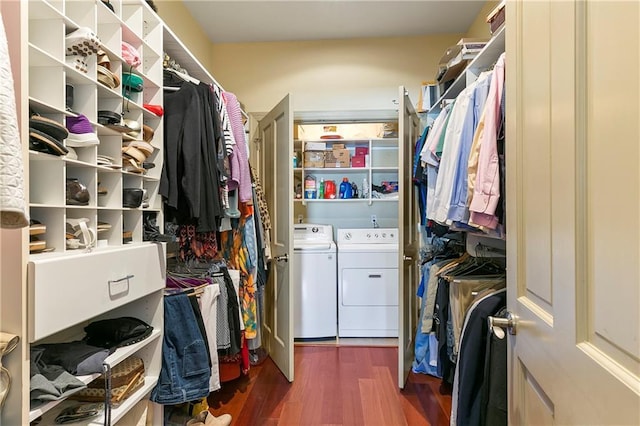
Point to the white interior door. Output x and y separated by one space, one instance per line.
573 193
276 136
409 272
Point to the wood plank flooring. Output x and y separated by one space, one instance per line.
344 385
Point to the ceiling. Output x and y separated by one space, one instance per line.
241 21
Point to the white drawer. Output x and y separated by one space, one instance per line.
67 290
369 287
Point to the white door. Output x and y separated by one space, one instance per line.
408 262
573 193
276 137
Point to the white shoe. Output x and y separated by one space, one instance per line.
77 62
205 418
82 41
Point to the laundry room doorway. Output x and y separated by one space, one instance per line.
273 148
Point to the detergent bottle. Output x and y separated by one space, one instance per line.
329 189
310 187
345 189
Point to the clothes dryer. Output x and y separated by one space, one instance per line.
315 280
368 282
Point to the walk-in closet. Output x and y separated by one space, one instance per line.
297 213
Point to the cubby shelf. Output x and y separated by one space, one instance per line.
46 72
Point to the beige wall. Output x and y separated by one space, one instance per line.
321 75
329 74
179 19
479 28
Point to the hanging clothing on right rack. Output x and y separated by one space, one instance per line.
481 368
463 161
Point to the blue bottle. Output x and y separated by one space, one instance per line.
345 189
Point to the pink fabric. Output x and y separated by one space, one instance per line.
486 193
240 173
130 55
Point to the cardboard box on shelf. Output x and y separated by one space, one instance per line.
315 146
358 161
337 158
337 146
313 159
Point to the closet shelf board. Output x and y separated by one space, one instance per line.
116 413
46 108
122 353
483 60
41 58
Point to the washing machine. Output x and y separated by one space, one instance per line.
368 282
315 280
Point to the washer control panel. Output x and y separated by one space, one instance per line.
368 236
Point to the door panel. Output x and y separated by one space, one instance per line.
408 307
275 133
573 197
613 179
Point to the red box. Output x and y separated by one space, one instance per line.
358 161
362 150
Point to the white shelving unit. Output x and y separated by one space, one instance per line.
62 291
481 62
382 167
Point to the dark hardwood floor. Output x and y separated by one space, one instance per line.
345 385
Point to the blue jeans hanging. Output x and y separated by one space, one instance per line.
185 369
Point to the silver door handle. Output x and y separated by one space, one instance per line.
408 258
510 323
283 258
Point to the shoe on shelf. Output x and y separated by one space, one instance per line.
36 227
36 245
82 41
78 63
80 132
77 193
205 418
103 227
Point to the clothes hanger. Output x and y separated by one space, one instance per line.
183 76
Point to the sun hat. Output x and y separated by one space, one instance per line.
147 133
80 132
134 153
145 147
48 126
42 142
130 165
103 59
107 78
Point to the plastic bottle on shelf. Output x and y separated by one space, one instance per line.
310 187
364 192
345 189
329 190
321 189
